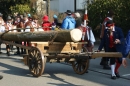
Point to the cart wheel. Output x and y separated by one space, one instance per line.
81 66
36 62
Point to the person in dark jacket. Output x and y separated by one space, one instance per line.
110 16
113 39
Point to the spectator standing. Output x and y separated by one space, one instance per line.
1 26
1 19
9 27
35 23
46 25
19 24
77 19
2 29
69 22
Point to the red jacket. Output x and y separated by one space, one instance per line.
46 25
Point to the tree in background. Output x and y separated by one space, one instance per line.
19 8
7 7
98 10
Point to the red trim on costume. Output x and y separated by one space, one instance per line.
108 25
111 43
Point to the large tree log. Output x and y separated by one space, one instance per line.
57 36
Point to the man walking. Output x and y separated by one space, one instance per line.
104 61
113 39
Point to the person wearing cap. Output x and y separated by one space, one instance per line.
55 22
69 22
113 39
55 19
78 20
46 25
110 15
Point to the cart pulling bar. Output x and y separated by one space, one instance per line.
106 54
88 54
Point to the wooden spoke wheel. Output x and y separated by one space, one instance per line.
81 66
36 61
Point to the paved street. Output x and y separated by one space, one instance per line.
58 74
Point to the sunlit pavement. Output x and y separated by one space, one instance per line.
56 74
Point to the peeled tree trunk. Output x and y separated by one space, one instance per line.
74 35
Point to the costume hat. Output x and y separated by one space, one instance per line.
109 23
68 12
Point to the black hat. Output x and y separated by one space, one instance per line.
68 12
111 13
109 23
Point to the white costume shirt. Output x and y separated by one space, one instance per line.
26 30
90 35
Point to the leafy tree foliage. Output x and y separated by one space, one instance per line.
9 6
20 8
98 10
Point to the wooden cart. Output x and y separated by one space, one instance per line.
41 52
74 53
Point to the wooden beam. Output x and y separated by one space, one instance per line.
106 54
